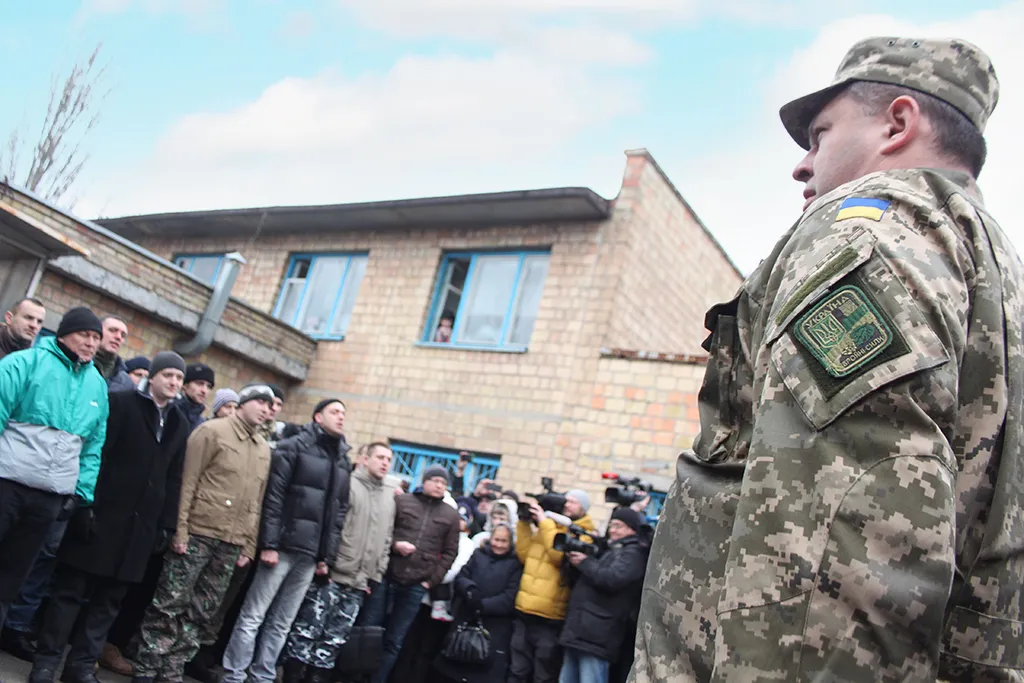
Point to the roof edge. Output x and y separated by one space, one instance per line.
599 203
645 153
655 356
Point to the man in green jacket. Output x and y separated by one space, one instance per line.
53 422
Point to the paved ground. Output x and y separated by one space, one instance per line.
16 671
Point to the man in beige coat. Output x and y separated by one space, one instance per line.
330 608
226 467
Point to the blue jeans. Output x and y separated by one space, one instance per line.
579 667
36 587
267 614
394 607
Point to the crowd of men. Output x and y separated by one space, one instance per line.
141 533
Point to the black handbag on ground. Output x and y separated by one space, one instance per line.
362 652
468 643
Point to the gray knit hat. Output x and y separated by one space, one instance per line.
222 398
581 496
166 360
255 392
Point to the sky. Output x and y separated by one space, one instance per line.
230 103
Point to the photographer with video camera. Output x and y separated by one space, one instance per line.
601 610
543 595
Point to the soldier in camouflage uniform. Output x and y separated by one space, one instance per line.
222 487
853 509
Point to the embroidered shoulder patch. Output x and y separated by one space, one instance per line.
845 331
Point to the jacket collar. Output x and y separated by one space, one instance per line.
242 430
9 344
362 475
50 344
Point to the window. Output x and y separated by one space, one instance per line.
319 293
410 460
493 297
203 266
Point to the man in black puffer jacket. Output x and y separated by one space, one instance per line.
303 514
601 607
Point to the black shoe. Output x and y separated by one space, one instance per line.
18 643
202 672
318 675
41 675
294 671
79 675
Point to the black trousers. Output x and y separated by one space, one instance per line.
133 607
26 515
536 656
81 610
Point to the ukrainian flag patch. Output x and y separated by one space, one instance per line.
862 207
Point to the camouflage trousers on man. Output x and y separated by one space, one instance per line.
190 591
323 624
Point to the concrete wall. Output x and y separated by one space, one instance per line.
147 335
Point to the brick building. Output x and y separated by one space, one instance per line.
578 320
64 262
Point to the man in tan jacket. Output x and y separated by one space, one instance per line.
226 467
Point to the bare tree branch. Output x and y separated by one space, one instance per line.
57 158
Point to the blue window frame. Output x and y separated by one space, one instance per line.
206 267
411 459
319 293
493 296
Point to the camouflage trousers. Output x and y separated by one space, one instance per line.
323 624
190 590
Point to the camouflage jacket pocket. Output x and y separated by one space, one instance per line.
861 332
726 395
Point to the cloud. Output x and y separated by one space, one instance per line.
512 117
744 190
430 125
298 25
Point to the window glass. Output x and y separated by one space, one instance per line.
482 316
354 278
531 287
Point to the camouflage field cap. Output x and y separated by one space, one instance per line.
954 71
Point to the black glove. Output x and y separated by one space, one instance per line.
473 601
83 524
163 541
71 504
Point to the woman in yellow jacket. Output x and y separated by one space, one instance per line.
543 595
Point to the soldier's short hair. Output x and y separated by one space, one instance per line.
956 136
27 300
377 444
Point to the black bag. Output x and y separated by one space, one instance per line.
362 652
468 643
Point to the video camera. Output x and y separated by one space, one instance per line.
572 543
629 490
550 501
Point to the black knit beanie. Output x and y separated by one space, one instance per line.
79 319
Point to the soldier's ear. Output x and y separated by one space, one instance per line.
902 124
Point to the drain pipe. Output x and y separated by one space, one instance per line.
214 307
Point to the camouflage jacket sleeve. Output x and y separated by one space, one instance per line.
841 557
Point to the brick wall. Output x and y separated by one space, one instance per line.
672 270
146 335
